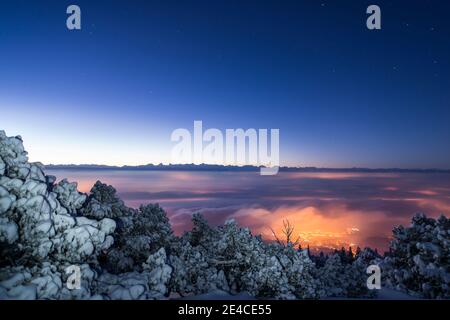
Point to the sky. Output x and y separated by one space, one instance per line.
341 95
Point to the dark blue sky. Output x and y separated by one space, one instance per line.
340 94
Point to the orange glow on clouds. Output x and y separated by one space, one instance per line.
327 210
341 228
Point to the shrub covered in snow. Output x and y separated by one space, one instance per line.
140 233
419 258
104 203
341 279
39 222
45 228
232 259
150 283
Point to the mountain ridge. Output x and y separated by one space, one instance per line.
250 168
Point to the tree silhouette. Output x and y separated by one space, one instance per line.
287 231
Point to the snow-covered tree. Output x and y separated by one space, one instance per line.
231 258
419 258
341 279
103 202
45 228
140 233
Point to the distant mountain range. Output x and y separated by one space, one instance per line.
213 167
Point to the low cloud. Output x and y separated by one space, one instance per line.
326 209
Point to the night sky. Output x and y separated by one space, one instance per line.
341 95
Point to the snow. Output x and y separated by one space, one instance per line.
125 253
5 204
9 232
68 195
28 292
390 294
220 295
